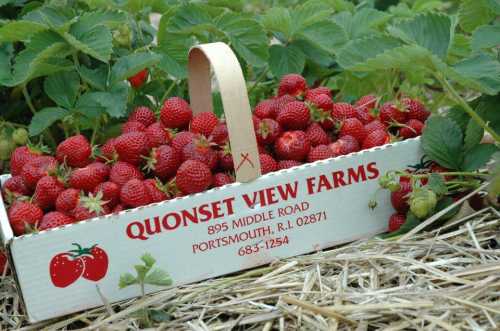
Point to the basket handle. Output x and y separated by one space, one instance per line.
235 102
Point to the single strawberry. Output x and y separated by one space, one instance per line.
108 151
412 128
345 145
131 147
142 114
118 208
321 107
67 200
265 109
342 111
135 194
294 115
164 161
396 221
13 188
138 79
293 84
364 115
87 178
353 127
204 123
37 168
156 190
181 139
193 177
367 101
220 134
255 122
376 138
292 145
416 110
133 126
54 219
279 103
320 90
316 135
222 178
47 190
21 156
374 126
75 151
24 215
286 164
320 152
399 198
390 113
268 131
199 149
121 172
267 163
110 193
89 207
226 158
176 113
158 135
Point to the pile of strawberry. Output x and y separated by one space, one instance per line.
162 156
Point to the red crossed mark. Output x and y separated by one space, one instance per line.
245 157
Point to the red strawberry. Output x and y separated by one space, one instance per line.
193 177
220 135
75 151
181 139
322 101
294 115
13 188
320 152
221 179
285 164
68 200
133 126
54 219
268 131
21 156
316 135
226 158
121 172
374 126
320 90
292 84
204 123
118 208
131 147
395 221
47 190
363 114
399 199
267 163
176 113
155 190
102 169
292 145
138 79
110 193
135 194
265 109
88 178
89 207
279 103
345 145
164 161
412 129
416 110
108 151
142 114
321 110
37 168
367 101
199 149
389 113
23 215
376 138
158 135
342 111
353 127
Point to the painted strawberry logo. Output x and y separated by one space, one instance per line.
66 268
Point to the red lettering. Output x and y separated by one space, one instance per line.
372 169
193 217
354 176
204 210
250 202
157 228
288 190
338 178
310 185
216 210
271 196
324 183
167 226
229 205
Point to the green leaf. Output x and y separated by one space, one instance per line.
44 118
148 260
126 280
284 60
442 142
309 13
246 37
113 102
460 48
129 65
63 88
158 277
54 17
487 108
313 53
141 270
89 20
473 13
437 184
459 116
96 42
326 35
190 18
6 54
95 77
20 30
487 36
473 135
365 21
278 19
478 156
482 70
89 107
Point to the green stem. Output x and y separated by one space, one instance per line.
471 112
458 173
14 125
167 92
27 98
258 80
94 132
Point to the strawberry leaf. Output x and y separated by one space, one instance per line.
487 36
63 88
126 280
286 59
20 30
481 70
129 65
478 156
158 277
473 13
473 135
44 118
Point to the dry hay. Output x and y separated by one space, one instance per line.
446 279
